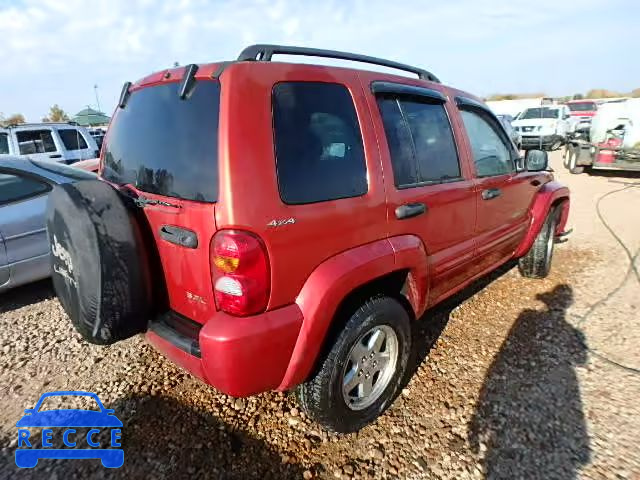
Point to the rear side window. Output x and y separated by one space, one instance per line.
420 140
164 145
35 141
4 143
17 187
72 139
318 144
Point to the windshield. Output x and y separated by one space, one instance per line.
67 402
543 112
164 145
582 106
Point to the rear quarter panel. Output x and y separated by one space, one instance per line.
249 196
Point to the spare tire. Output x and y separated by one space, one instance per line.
99 264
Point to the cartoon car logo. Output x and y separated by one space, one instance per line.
61 423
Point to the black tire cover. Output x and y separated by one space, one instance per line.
99 264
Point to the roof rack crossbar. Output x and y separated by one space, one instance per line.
264 52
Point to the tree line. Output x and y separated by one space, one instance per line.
595 93
56 114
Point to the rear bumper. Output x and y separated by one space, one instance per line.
238 356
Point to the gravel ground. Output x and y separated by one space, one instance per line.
509 381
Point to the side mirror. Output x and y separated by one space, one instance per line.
29 411
536 160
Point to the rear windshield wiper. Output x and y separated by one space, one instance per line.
144 201
188 81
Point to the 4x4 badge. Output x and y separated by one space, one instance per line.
280 223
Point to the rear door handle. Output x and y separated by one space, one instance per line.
179 236
410 210
491 193
57 155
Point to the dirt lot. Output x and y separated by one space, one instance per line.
511 381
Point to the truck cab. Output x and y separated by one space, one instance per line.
543 127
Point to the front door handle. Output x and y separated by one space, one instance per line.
57 155
410 210
491 193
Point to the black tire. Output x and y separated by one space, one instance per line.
321 396
100 269
571 163
537 261
557 143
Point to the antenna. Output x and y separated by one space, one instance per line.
95 89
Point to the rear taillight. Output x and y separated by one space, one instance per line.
239 272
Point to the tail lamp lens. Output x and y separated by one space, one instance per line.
239 272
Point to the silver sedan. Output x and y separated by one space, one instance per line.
24 187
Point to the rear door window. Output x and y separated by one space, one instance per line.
72 139
4 143
318 144
420 140
35 141
14 187
164 145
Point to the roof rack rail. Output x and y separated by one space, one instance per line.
264 52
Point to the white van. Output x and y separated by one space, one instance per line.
543 127
54 142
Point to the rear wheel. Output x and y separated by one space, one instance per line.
359 377
537 262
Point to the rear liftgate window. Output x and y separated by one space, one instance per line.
319 152
166 145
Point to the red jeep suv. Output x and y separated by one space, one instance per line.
272 225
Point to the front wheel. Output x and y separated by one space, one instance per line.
360 376
572 161
537 262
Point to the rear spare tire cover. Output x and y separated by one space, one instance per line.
99 264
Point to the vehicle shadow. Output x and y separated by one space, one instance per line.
429 327
26 295
163 438
529 421
622 174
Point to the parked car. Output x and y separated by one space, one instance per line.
24 187
515 136
543 127
54 142
98 135
295 247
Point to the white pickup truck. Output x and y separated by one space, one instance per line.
53 142
543 127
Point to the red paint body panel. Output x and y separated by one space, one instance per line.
322 229
321 295
245 356
548 194
240 356
181 358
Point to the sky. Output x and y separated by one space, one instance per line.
55 51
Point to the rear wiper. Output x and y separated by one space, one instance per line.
188 81
144 201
